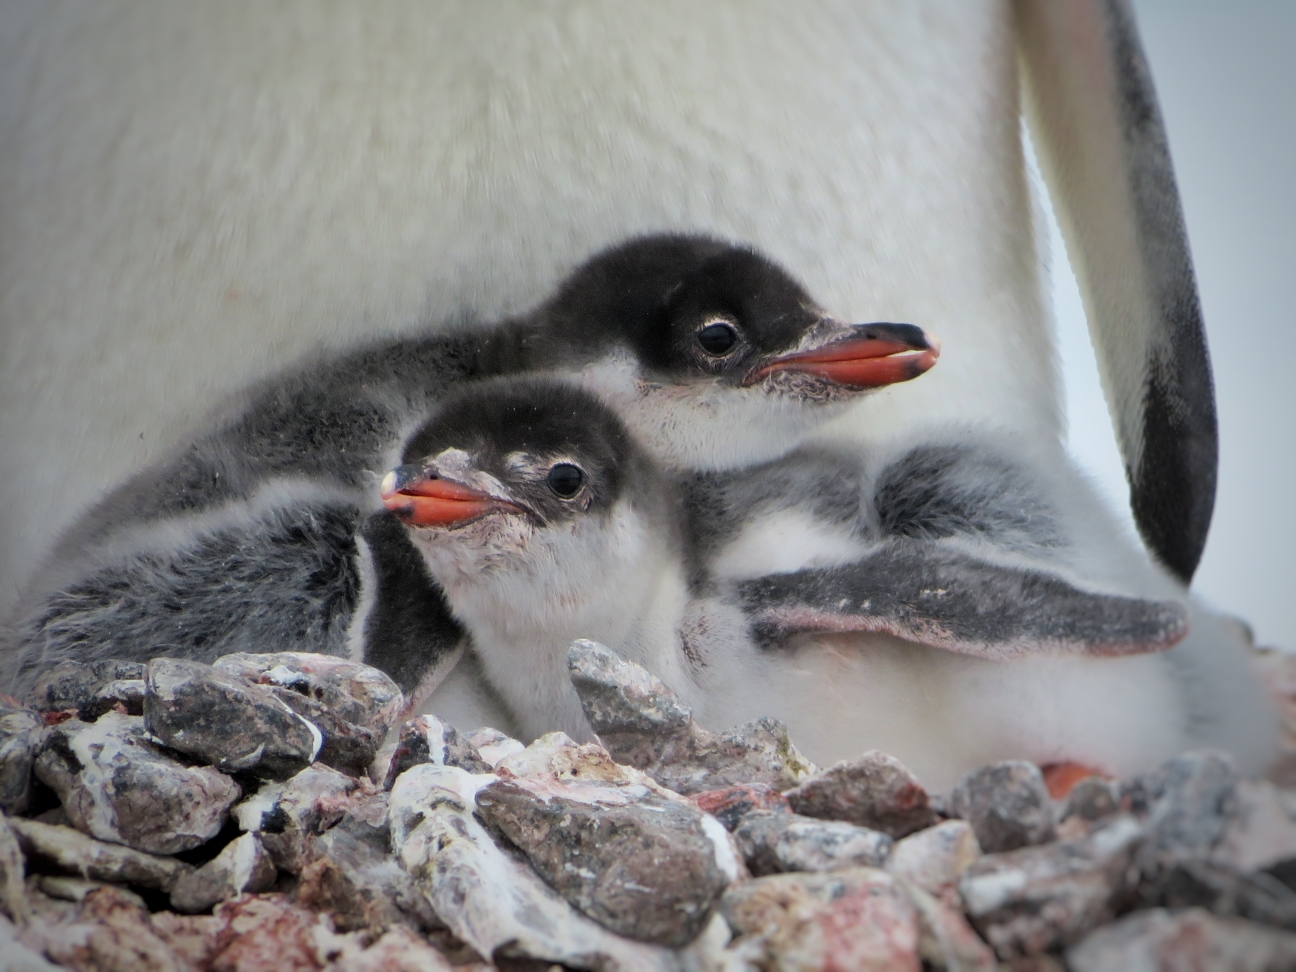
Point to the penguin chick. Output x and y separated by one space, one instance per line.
933 603
713 356
543 520
951 602
245 538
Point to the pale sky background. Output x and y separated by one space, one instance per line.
1223 71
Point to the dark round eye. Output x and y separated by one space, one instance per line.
565 479
717 338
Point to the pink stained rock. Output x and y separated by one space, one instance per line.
116 784
225 721
643 724
640 861
945 939
935 858
243 865
729 804
1036 899
1278 672
874 791
398 950
1190 939
856 920
109 931
352 704
772 843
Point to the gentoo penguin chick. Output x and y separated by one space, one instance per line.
933 603
542 520
951 602
711 353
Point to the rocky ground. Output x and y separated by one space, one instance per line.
244 816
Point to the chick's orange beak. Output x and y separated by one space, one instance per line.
868 356
420 499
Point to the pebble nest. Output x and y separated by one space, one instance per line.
252 814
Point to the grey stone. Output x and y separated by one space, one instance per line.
242 865
945 939
858 919
556 756
772 842
366 819
73 851
17 957
643 724
286 815
1187 803
397 950
639 863
78 889
492 745
1092 799
426 739
1259 896
115 784
493 899
91 688
934 859
1151 941
360 887
13 900
731 803
1208 836
22 734
874 791
1007 805
352 704
1260 832
223 721
1037 899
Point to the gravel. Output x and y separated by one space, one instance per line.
247 815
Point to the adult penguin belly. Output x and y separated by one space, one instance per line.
195 196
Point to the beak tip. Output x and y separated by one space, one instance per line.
388 486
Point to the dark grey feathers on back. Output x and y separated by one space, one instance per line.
207 597
939 491
332 420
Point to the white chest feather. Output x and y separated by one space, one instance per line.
527 593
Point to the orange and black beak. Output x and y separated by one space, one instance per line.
420 498
863 356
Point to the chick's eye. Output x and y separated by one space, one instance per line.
717 338
565 479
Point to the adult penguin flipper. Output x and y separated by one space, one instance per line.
1102 147
934 594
